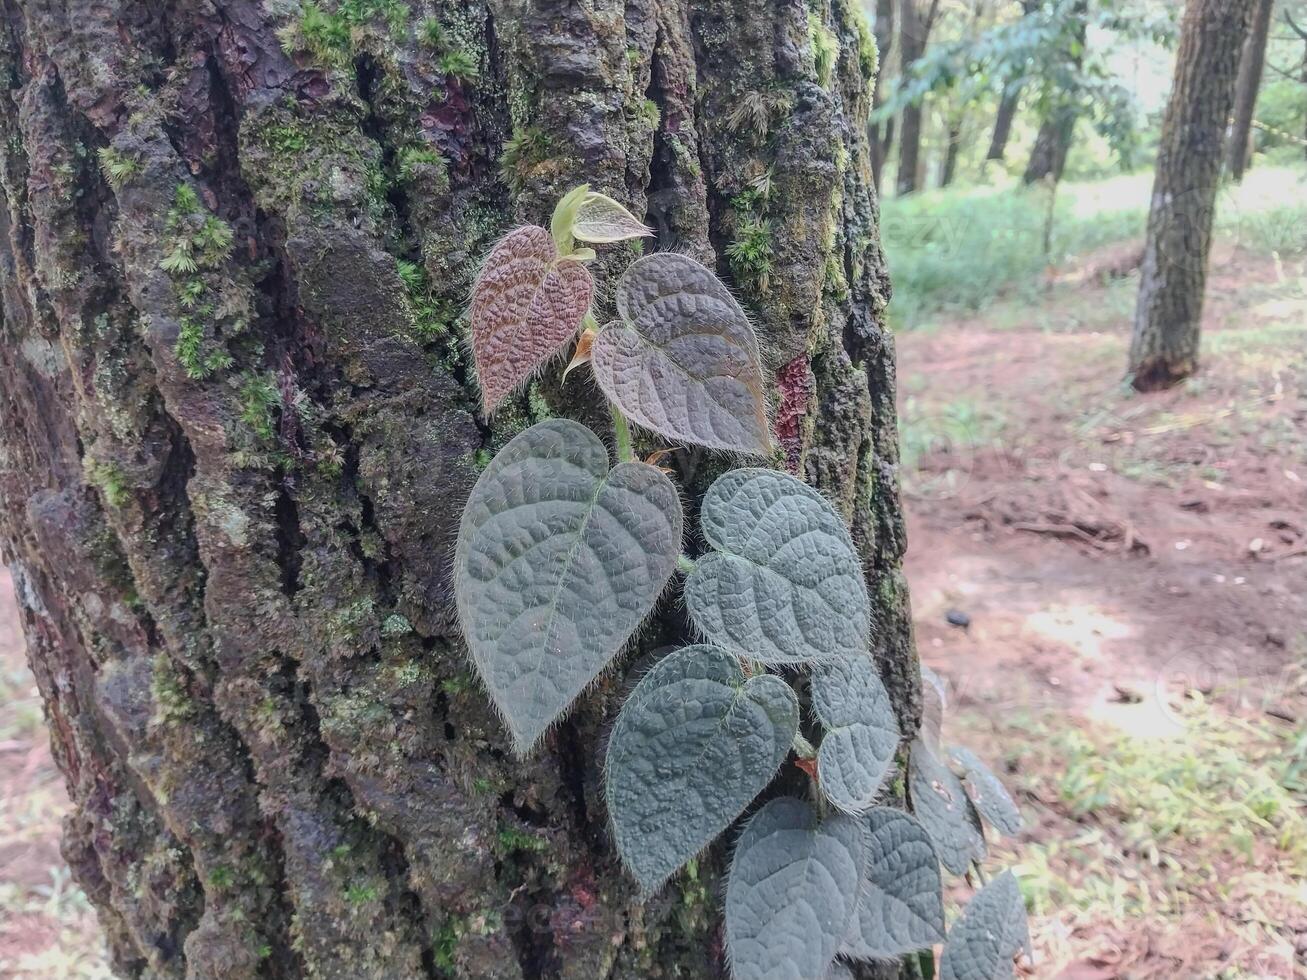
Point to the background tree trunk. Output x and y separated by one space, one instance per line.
1008 104
1164 348
1058 127
228 487
1251 65
914 32
953 137
881 134
1003 119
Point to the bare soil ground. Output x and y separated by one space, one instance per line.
1134 574
1134 569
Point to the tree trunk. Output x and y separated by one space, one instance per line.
1058 127
1164 348
1251 64
954 137
914 31
1007 114
881 134
238 425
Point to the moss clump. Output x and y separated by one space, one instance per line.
118 168
110 481
759 112
395 625
431 34
825 47
432 314
510 840
172 705
524 154
196 248
868 53
260 403
328 33
458 64
413 161
361 894
445 942
750 252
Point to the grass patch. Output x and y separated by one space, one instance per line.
959 249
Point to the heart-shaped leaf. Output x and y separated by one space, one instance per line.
862 732
683 360
901 907
526 304
792 890
694 744
602 220
992 929
986 791
934 699
942 806
558 561
784 585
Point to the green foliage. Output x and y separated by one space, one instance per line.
862 732
573 599
783 583
196 249
561 555
901 905
712 400
695 728
792 891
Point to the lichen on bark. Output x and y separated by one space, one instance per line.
229 492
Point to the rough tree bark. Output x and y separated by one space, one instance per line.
880 135
237 427
1251 65
1164 348
914 32
1058 127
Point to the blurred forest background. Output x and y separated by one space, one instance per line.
1111 582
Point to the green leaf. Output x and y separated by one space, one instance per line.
942 806
992 930
693 745
564 217
602 220
934 700
526 305
683 360
792 890
784 585
862 732
989 795
558 560
901 907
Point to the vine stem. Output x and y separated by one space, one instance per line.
622 429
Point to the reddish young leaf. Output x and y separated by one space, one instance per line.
525 306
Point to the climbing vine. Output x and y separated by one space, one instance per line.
561 555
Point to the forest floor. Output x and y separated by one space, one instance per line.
1133 569
1136 657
